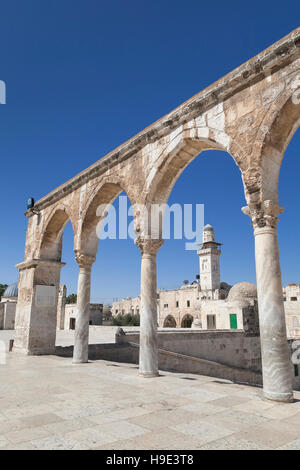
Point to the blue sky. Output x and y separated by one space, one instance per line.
84 76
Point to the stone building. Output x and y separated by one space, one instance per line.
211 304
96 311
8 306
291 297
67 313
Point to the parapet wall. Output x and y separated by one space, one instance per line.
222 354
226 347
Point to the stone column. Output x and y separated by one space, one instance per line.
36 313
81 344
148 362
61 307
277 378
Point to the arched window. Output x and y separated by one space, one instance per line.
169 322
187 321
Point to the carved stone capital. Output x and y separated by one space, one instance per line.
83 260
263 214
149 246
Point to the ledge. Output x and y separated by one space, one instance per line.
33 263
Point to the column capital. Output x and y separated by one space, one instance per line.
263 214
83 260
149 246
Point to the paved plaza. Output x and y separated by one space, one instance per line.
48 403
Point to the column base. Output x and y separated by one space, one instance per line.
18 350
79 362
279 397
148 375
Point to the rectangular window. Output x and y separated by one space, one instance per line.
293 298
188 303
296 368
233 321
177 304
166 305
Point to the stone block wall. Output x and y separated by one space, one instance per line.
232 348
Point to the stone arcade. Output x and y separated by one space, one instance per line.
252 113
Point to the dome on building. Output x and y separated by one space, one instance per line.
11 291
208 234
242 291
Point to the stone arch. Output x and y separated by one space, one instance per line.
51 240
94 212
278 128
180 152
187 321
169 322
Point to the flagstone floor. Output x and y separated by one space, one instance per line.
48 403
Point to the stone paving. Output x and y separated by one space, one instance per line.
48 403
97 334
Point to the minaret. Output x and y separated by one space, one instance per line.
209 260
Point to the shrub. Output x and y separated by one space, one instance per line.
126 320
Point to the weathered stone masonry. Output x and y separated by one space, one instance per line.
252 114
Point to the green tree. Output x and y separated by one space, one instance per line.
71 299
126 320
2 289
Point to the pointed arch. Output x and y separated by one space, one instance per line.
180 152
169 322
280 124
187 321
98 201
51 239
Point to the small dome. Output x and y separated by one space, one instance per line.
242 291
11 291
208 234
197 323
